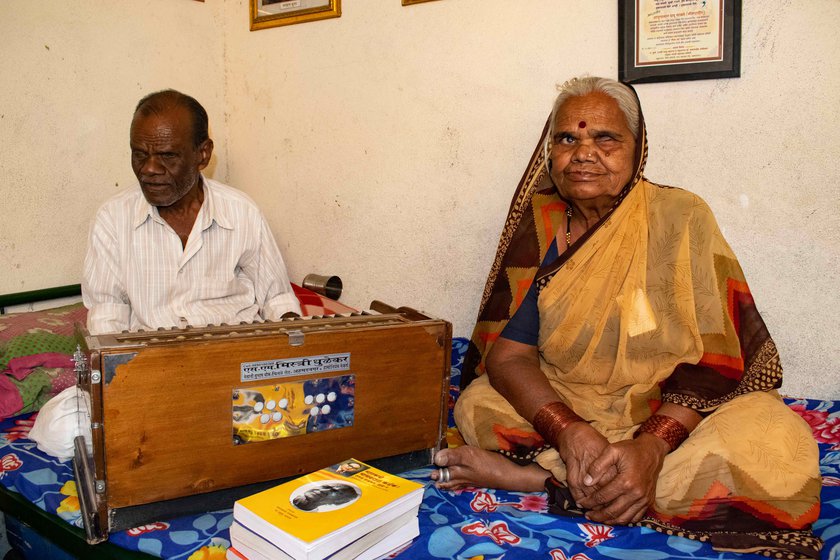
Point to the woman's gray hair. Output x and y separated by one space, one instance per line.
623 95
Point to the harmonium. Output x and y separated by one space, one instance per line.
189 420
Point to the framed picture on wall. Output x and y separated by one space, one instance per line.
674 40
273 13
410 2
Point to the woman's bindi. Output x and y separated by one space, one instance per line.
582 124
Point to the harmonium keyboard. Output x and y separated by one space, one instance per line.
189 420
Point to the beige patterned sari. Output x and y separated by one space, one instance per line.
651 306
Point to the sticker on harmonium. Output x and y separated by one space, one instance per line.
270 369
292 408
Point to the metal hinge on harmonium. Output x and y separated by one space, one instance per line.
88 486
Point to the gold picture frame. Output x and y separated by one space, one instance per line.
274 13
410 2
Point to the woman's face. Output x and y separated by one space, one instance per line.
592 149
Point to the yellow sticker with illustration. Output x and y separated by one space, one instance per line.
292 408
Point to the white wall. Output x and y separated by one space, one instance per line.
761 150
384 145
71 74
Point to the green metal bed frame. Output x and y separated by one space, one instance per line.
20 298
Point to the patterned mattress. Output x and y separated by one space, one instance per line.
475 524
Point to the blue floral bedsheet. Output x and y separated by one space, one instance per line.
480 524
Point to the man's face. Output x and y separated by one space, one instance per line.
164 159
325 495
331 493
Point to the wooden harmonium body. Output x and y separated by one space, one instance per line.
189 420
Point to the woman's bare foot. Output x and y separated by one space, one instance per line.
473 466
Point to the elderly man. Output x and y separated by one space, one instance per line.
180 249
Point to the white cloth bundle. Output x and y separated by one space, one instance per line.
60 420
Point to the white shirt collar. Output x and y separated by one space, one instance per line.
209 212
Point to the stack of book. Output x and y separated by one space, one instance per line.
349 511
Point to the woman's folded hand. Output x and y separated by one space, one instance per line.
579 444
621 482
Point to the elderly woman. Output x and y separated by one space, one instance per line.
634 378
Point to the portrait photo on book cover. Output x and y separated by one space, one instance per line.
349 468
325 495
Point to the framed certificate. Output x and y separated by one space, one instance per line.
674 40
273 13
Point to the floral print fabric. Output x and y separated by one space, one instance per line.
472 524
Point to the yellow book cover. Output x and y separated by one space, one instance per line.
315 515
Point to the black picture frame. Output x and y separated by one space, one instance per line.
727 65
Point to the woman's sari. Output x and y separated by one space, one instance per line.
651 306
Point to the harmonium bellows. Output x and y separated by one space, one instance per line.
188 420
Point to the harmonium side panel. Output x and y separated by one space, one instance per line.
168 410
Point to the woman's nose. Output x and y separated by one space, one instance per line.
584 152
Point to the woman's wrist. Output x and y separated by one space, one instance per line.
653 443
553 418
666 428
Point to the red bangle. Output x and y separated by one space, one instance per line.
552 419
664 427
